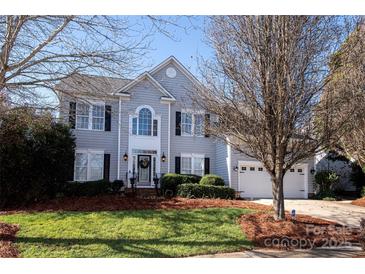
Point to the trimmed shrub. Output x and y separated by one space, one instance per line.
205 191
326 182
170 181
363 191
91 188
212 180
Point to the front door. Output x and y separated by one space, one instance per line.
144 168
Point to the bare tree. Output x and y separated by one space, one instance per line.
346 90
38 51
264 86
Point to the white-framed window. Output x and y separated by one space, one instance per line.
89 165
90 116
192 124
145 122
98 115
192 164
186 124
82 115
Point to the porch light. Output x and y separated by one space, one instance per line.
125 157
163 157
312 171
235 168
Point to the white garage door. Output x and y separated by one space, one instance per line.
255 182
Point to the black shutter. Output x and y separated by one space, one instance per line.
206 166
72 114
108 118
71 171
106 167
207 123
177 165
178 123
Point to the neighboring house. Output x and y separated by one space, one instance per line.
147 126
340 165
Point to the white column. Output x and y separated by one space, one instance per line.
119 129
168 140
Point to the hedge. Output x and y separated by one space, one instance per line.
91 188
205 191
212 180
363 191
36 157
170 181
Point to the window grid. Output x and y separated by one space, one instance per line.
90 117
145 121
186 124
192 165
82 115
192 124
98 114
89 166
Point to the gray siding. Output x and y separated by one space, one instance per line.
179 87
143 93
221 161
99 140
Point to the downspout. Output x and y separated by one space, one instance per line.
119 128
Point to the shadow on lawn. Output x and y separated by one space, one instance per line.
134 247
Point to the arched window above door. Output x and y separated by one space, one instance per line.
145 122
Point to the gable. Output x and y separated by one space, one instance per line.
178 82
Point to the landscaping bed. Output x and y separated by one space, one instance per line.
359 202
7 237
305 232
117 202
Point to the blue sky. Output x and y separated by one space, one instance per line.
187 46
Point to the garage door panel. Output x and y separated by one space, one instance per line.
255 182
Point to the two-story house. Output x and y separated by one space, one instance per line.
147 126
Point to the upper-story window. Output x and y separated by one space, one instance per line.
90 116
144 124
192 124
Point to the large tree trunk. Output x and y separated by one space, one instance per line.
278 196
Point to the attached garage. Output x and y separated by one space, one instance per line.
255 182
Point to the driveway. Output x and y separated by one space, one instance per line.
342 212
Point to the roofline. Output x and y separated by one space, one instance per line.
139 79
184 70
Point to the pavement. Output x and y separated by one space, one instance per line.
350 252
342 212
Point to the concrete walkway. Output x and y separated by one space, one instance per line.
342 212
314 253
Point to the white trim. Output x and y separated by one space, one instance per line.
90 103
229 164
193 113
168 139
247 162
192 156
88 152
142 77
119 133
180 66
154 116
138 109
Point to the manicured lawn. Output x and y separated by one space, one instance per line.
143 233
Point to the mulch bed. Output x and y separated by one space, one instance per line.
359 202
116 202
303 233
7 237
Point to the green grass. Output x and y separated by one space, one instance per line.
145 233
